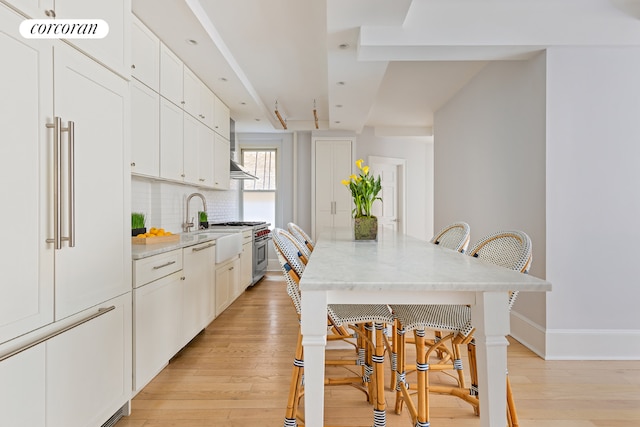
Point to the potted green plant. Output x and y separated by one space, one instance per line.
364 190
203 218
137 223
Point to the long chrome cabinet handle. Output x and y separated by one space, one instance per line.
72 179
57 183
166 264
100 312
203 248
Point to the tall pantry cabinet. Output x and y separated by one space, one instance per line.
332 162
65 299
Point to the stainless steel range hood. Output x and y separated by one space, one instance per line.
237 171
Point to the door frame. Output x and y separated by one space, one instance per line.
401 165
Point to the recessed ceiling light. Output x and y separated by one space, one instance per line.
338 105
344 46
223 79
337 122
243 103
257 120
192 42
341 83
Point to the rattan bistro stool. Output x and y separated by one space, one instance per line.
302 237
371 342
454 236
509 249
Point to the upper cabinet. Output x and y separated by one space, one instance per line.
171 79
114 50
222 124
145 55
189 115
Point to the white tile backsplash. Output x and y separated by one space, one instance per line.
163 202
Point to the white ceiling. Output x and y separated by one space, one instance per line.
400 60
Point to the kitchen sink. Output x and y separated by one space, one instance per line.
228 244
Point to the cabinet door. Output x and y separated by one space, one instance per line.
324 185
171 134
223 290
342 166
114 50
88 371
206 141
145 130
157 326
171 69
26 290
22 404
191 92
190 149
145 55
222 120
97 101
221 156
198 264
246 264
207 106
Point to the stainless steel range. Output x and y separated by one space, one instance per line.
261 237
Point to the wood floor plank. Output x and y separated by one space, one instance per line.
237 372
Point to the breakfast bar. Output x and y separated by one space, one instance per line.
399 269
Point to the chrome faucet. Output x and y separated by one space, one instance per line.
189 222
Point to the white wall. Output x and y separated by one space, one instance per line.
550 146
490 167
418 152
593 202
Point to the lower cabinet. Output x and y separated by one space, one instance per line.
77 378
227 283
23 404
157 326
197 307
246 259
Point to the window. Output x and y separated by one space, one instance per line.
259 196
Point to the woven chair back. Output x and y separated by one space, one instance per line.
454 236
302 237
509 249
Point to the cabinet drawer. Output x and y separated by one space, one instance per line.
149 269
247 236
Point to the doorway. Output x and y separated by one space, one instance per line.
391 212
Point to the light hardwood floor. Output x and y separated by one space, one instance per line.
237 372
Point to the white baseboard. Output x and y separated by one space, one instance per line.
576 344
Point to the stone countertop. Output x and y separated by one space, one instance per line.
186 239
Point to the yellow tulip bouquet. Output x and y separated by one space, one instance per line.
364 189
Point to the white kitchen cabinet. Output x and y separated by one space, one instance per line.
227 279
246 259
97 101
199 264
26 290
145 54
22 404
221 156
171 76
157 326
145 130
222 123
113 50
88 368
332 163
171 135
206 142
189 141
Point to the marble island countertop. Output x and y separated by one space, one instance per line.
186 239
